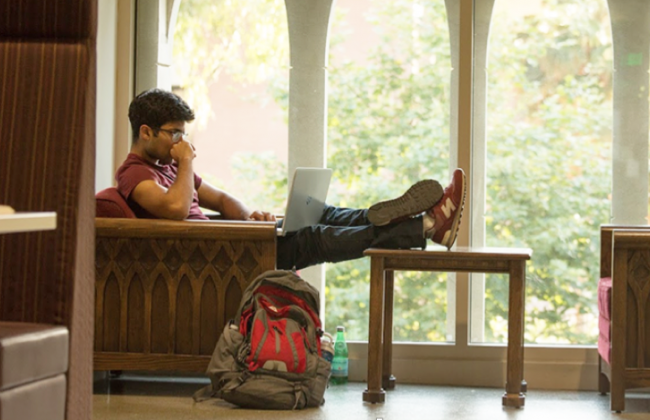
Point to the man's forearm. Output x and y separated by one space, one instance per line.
234 209
179 195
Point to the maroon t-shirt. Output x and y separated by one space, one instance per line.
134 170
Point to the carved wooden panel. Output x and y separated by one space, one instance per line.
638 309
170 296
625 256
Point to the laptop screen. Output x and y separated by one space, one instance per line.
307 198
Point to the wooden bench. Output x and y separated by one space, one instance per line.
165 289
383 264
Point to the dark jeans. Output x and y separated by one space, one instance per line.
343 234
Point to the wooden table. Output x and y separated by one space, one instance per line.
383 264
27 222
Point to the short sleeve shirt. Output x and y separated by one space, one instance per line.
135 170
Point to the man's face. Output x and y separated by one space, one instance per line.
160 145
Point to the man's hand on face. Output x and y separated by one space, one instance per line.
183 150
262 216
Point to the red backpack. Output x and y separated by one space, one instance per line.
269 356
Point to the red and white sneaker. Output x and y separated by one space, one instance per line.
417 199
448 211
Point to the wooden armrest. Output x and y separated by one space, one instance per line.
632 238
606 234
189 229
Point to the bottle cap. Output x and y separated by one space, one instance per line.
340 328
327 346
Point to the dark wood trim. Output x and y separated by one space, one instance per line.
138 361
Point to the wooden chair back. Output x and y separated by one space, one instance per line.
625 257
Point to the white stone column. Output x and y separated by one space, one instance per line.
631 39
482 21
308 22
453 20
154 40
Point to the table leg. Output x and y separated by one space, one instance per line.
387 378
524 384
513 396
375 393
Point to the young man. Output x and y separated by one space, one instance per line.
158 181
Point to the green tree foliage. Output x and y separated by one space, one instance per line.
388 126
549 162
549 147
248 39
549 154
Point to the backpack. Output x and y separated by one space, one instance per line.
269 356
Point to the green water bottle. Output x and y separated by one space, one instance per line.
340 361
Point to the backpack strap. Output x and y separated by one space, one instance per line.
297 390
233 383
203 394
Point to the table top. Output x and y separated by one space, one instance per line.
439 253
461 259
27 222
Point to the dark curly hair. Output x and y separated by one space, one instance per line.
156 107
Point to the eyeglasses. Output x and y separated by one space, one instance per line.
177 135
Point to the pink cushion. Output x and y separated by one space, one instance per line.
604 329
604 338
604 317
110 203
605 297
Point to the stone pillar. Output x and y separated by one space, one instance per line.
154 40
308 22
482 22
631 39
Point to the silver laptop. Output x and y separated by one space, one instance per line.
306 198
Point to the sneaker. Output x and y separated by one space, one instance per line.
448 211
418 198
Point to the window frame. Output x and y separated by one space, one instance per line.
463 362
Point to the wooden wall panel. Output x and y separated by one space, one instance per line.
184 312
209 319
111 321
160 319
135 317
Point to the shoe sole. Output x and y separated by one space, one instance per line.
419 197
450 238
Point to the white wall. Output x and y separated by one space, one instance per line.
114 87
106 49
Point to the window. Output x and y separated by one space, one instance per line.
548 168
388 126
545 57
231 65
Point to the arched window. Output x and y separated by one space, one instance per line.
548 159
388 127
548 164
